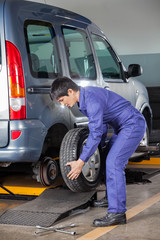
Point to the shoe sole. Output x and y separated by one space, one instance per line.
111 224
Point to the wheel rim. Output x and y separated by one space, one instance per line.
91 168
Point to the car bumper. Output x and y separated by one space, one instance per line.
28 146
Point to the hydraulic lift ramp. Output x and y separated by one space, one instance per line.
51 206
146 157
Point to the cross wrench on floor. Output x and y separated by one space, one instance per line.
56 229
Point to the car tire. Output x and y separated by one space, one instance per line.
70 150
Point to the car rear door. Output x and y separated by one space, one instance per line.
4 104
80 62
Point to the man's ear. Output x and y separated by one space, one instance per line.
70 91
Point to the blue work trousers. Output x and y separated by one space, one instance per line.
121 147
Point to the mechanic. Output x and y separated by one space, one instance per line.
103 108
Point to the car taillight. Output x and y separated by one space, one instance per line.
15 134
16 83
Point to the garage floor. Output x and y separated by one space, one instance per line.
143 203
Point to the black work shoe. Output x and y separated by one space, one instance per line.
110 219
101 203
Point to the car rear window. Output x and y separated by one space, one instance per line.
42 50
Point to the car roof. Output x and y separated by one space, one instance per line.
45 8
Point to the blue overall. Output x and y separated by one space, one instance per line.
103 108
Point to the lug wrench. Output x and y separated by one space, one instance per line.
58 229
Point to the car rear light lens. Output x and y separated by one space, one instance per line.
15 134
16 83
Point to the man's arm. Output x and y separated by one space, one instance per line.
96 128
95 115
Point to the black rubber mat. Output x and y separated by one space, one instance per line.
52 205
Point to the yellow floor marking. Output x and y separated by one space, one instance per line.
142 206
98 232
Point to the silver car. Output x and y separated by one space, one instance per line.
38 43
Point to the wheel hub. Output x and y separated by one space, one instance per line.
91 168
48 171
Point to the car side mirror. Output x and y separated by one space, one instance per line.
134 70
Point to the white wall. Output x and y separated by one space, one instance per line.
133 26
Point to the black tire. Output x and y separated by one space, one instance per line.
70 150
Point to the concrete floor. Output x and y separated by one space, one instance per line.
143 226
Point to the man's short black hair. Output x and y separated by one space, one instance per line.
60 87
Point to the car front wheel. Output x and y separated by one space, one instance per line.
70 150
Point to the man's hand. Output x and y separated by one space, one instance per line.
76 168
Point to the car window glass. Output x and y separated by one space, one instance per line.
107 59
80 57
42 52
